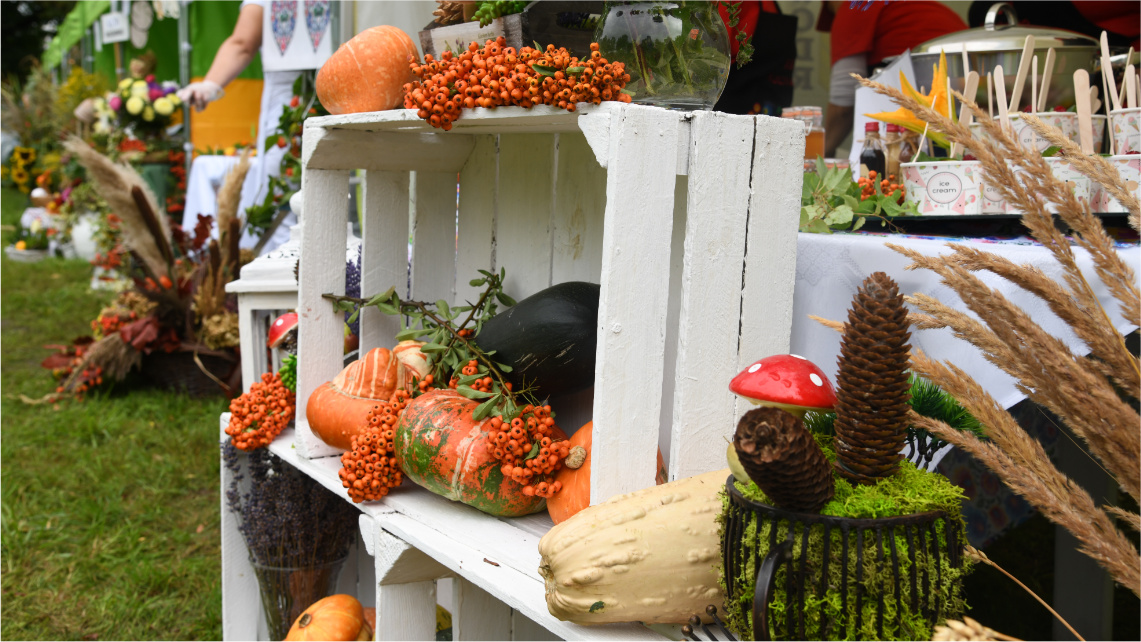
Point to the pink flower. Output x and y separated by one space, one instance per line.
155 93
115 103
150 78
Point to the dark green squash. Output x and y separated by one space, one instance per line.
548 339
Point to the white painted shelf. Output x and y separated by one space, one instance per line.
687 220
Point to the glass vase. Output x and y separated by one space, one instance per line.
677 53
287 592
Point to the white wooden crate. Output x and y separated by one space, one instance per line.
687 220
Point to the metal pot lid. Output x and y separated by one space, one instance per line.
996 35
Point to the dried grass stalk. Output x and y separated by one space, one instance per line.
230 194
115 183
1085 392
967 630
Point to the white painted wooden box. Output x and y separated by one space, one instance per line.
687 220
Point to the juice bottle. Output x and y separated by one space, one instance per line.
872 158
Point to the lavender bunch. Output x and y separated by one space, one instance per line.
353 289
286 518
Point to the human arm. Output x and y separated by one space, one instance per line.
841 101
233 56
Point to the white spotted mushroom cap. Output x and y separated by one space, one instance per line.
786 381
280 328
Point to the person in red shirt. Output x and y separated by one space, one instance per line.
863 34
763 85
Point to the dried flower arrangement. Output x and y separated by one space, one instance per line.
1094 395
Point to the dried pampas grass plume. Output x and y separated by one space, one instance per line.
145 229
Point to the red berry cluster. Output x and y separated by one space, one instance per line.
258 416
497 75
370 468
525 447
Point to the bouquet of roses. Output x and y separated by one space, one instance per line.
141 104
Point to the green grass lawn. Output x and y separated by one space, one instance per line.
110 511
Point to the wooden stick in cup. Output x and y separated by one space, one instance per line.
1034 86
1130 87
1094 101
1125 80
1000 98
989 94
1023 70
1107 72
1085 123
966 115
1047 73
1108 106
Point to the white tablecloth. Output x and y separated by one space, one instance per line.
829 269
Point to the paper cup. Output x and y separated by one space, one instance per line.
1124 127
1066 121
944 188
1079 183
1129 168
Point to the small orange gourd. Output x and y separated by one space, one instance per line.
575 493
337 617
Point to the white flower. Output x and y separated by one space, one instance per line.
140 89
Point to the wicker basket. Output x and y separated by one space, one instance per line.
180 371
804 578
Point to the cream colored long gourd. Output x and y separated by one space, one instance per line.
647 556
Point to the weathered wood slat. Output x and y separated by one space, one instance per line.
478 615
635 292
710 292
770 255
523 220
320 334
434 237
576 223
476 248
384 252
389 151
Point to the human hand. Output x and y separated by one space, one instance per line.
199 94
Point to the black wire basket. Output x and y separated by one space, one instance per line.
896 561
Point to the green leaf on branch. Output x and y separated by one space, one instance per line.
432 348
409 334
472 393
484 409
534 452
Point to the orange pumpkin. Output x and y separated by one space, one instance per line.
443 449
338 410
368 72
337 617
575 493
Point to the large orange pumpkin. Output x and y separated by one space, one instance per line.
368 72
443 449
575 493
338 410
337 617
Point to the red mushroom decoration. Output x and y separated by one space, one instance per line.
785 381
283 332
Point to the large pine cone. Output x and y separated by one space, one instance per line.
872 389
783 459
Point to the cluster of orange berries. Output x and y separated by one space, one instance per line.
497 75
258 416
370 468
88 379
888 186
482 385
515 443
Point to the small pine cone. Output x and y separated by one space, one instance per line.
872 388
784 460
448 13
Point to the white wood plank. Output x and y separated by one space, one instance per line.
702 413
384 252
543 118
478 615
476 246
524 628
634 297
389 151
241 602
406 589
576 223
253 360
673 311
523 212
770 252
434 236
320 331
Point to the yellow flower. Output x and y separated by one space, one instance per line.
20 175
140 89
134 105
174 99
20 245
36 226
149 113
25 155
126 83
163 106
4 171
937 98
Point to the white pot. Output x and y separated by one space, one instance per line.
83 236
25 256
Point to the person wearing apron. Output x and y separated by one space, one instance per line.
235 53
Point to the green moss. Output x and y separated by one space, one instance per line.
911 491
